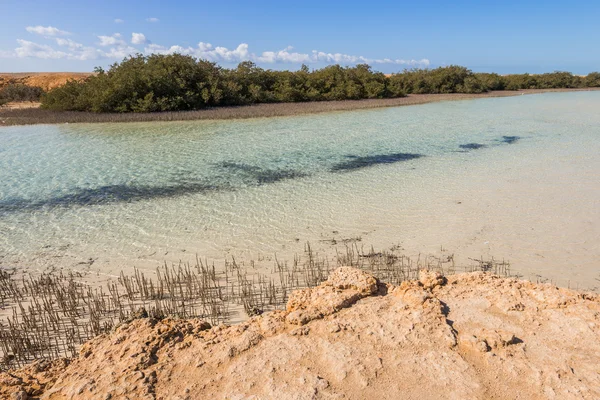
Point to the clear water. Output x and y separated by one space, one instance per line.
139 194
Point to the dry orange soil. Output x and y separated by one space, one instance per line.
45 80
467 336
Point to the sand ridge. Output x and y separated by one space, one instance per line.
45 80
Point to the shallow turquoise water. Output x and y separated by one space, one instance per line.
138 194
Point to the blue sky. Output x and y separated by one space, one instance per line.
502 36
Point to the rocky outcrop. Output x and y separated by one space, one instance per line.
465 336
344 287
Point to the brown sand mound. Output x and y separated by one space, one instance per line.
470 336
45 80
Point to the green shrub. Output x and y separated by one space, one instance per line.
558 79
491 81
20 92
450 79
178 82
592 79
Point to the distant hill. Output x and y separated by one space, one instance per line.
45 80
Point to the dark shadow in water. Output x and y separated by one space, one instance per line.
260 175
129 193
122 193
510 139
106 195
472 146
357 162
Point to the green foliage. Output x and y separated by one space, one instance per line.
178 82
68 97
491 81
451 79
472 84
551 80
559 79
20 92
593 79
519 81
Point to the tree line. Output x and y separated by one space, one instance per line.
457 79
178 82
19 92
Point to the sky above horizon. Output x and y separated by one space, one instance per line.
485 36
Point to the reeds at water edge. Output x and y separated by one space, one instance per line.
49 315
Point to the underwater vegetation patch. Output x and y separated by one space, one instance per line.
107 194
510 139
472 146
126 193
263 175
357 162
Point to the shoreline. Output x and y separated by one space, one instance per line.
475 330
35 116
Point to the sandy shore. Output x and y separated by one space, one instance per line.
38 116
20 105
467 336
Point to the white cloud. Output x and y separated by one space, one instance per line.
115 47
138 38
35 50
159 49
7 54
337 58
118 48
119 21
152 19
72 45
114 40
205 51
241 53
46 31
119 52
284 56
78 51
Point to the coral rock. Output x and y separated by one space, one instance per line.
348 339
